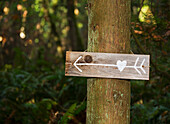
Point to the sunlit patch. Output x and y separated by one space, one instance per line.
139 102
54 2
65 30
6 10
51 10
8 66
56 113
59 49
31 101
36 40
25 13
30 41
1 38
19 7
138 32
3 42
38 26
80 25
22 29
76 11
146 15
22 35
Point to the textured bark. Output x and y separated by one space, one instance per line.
108 100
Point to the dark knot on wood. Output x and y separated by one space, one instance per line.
88 59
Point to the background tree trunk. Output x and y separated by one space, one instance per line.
74 34
108 100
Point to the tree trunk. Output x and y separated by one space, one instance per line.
74 34
108 100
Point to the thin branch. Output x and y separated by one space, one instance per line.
141 7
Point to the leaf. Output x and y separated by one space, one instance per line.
69 113
81 108
48 103
50 77
25 80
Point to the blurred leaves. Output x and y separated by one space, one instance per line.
33 38
28 97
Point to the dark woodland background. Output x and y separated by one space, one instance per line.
34 35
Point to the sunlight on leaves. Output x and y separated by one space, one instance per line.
38 26
36 40
80 25
3 42
139 102
65 30
1 38
25 13
19 7
22 29
29 41
8 66
138 32
51 10
22 35
37 6
146 15
59 49
76 11
54 2
45 35
6 10
31 101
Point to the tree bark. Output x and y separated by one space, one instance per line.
108 100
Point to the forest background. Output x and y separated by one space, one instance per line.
34 36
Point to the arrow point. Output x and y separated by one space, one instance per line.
76 63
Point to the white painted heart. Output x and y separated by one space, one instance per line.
121 65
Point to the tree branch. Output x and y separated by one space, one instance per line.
141 7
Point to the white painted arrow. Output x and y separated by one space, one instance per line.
120 65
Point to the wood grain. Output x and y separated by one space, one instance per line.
97 67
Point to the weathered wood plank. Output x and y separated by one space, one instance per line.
107 65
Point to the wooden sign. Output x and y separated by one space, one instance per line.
107 65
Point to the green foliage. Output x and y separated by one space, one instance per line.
150 99
68 114
33 87
29 97
149 104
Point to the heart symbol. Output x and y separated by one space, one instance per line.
121 65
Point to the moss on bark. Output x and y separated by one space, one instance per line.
108 100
